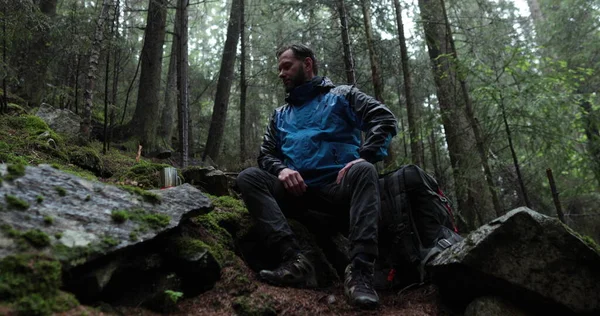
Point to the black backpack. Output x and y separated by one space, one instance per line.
416 224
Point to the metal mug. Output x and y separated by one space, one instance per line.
169 177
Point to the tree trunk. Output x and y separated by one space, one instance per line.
474 204
411 110
88 93
146 111
348 63
182 82
469 111
534 9
217 124
37 57
4 103
514 154
171 105
373 58
244 84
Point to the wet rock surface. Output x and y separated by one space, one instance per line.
528 258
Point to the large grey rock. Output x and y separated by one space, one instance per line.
492 306
529 258
97 251
60 120
209 179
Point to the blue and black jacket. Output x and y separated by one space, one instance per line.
317 132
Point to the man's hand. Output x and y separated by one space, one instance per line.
343 171
292 181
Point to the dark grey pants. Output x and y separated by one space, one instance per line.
352 207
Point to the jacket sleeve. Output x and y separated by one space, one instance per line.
270 157
378 123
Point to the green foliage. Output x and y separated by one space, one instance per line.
174 296
58 235
37 238
15 202
39 199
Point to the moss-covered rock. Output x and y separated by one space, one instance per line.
145 174
15 202
88 159
30 284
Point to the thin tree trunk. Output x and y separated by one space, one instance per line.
182 82
244 84
88 94
535 10
514 154
106 82
37 56
137 70
411 110
479 142
4 104
77 71
147 108
217 124
171 105
348 63
116 69
373 58
401 120
474 204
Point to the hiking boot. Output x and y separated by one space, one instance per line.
358 284
296 271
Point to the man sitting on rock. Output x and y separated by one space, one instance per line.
312 158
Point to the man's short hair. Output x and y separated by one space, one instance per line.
301 51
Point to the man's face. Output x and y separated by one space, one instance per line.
291 70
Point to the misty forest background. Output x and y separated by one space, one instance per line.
489 94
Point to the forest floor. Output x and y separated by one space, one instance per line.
264 299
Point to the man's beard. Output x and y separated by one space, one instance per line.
298 80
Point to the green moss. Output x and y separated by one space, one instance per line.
58 235
15 202
157 221
229 203
120 216
10 231
48 220
27 274
56 166
110 241
31 283
39 199
145 174
33 304
60 190
133 236
15 171
184 247
36 238
88 197
146 195
591 243
86 157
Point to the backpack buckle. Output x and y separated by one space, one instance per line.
444 243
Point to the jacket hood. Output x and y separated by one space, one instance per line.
309 90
